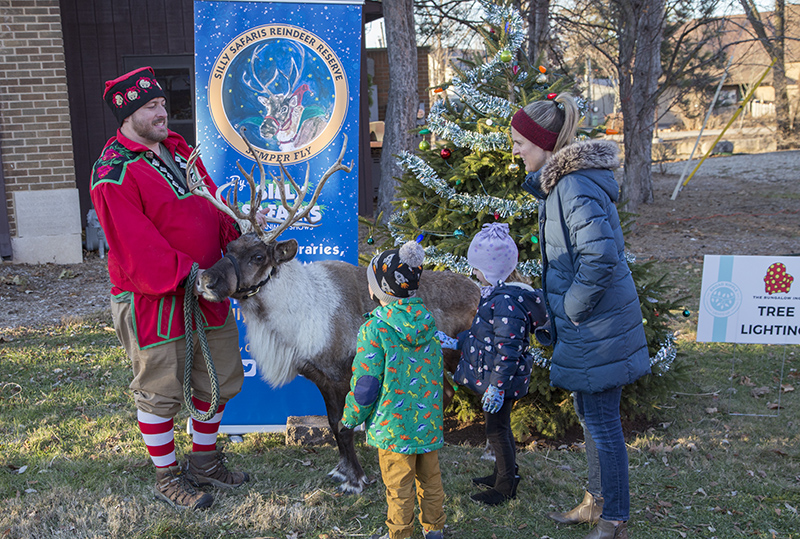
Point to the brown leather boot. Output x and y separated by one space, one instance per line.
208 468
173 487
607 530
589 510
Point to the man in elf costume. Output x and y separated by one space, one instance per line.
156 229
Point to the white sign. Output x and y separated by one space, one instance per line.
750 299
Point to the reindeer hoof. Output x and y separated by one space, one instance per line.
350 488
348 485
336 475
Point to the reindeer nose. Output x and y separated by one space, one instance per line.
206 282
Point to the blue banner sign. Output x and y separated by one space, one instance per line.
285 77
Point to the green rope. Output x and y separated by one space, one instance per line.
191 309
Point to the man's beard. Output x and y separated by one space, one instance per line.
148 132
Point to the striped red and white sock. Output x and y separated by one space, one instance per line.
204 433
159 437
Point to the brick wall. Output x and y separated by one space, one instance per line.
381 78
34 109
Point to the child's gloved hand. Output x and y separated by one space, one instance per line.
492 399
447 341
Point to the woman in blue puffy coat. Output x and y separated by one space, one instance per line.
599 340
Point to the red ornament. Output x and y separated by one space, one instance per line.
496 216
515 69
445 153
552 96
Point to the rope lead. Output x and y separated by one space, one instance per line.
191 309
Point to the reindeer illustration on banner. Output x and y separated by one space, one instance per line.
287 119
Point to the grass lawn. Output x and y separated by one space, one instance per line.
72 463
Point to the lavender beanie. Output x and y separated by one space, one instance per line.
494 252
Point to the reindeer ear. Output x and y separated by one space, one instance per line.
285 251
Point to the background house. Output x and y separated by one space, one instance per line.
749 61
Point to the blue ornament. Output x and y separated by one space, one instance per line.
420 238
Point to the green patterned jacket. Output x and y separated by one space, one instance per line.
396 388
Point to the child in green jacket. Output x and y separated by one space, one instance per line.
396 391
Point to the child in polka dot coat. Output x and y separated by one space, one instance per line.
495 358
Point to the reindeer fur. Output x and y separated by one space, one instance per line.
305 320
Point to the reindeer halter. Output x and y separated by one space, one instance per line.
250 290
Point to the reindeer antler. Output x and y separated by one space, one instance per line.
293 217
198 187
249 221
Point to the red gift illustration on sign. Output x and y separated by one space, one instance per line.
777 280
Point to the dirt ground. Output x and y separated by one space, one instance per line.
741 204
736 205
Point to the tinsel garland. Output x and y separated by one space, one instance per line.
502 206
508 18
457 264
666 355
445 129
488 105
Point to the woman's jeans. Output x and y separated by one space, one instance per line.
501 439
601 418
593 485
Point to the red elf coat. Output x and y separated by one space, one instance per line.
155 230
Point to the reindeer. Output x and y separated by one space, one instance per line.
304 319
283 119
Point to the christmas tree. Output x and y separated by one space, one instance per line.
464 175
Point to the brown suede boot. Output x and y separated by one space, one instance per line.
606 530
173 487
208 468
589 510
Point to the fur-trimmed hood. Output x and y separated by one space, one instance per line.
590 154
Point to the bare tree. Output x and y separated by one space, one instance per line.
538 29
775 46
655 46
401 107
640 69
453 22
